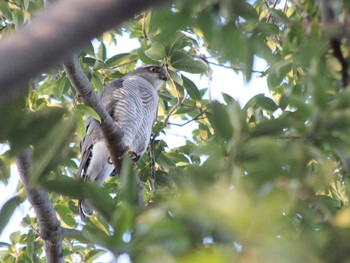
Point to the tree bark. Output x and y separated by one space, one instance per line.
49 226
56 34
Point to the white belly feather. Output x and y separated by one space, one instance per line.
99 168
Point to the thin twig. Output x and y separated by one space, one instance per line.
234 68
173 110
179 100
143 26
151 144
270 8
125 63
191 120
153 164
3 27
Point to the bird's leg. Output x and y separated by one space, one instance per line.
134 156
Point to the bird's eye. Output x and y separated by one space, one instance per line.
153 69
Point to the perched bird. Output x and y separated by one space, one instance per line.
132 102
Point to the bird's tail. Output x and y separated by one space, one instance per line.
84 210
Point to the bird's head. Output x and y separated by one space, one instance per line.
154 74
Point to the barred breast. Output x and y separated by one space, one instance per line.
134 111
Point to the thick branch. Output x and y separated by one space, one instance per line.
49 226
56 33
112 133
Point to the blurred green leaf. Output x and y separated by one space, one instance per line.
94 254
262 101
219 118
66 215
129 192
7 210
45 158
88 110
156 51
117 59
102 52
182 61
23 127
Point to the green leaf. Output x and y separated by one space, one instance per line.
24 128
4 244
63 87
51 147
7 210
165 161
102 52
178 42
94 254
66 215
64 185
176 77
15 237
128 193
5 10
88 110
93 193
89 61
157 128
30 245
261 101
182 61
26 4
270 127
191 88
280 16
156 51
177 157
118 59
100 200
145 59
220 120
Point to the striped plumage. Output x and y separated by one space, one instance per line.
132 102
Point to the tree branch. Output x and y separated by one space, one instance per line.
56 34
49 226
154 184
111 132
234 68
179 100
202 112
328 17
270 8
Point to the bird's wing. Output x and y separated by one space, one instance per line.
93 134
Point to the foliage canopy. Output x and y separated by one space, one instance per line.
263 182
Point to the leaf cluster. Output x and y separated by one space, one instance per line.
267 181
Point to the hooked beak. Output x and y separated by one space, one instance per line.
163 75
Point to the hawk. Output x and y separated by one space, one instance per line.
132 102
